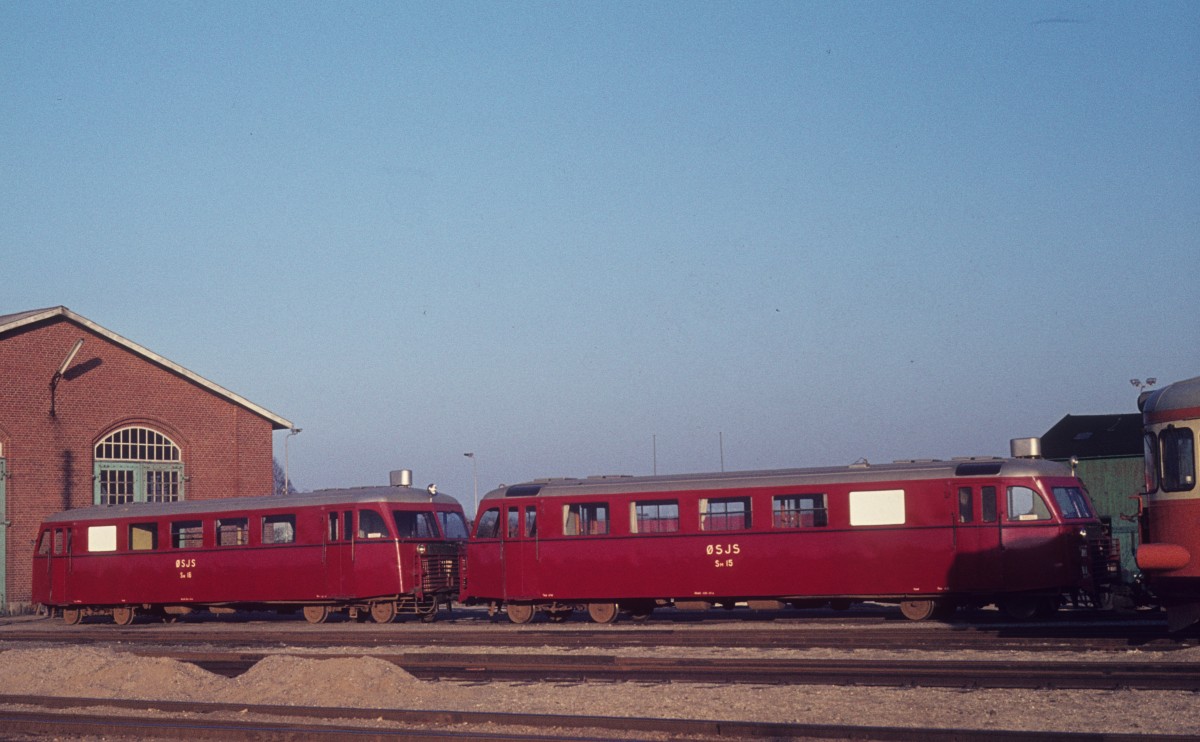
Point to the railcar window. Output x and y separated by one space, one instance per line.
530 522
143 536
414 524
1150 451
988 498
102 538
725 514
966 506
1025 504
453 525
590 519
514 523
62 541
233 531
488 524
877 508
335 530
186 534
1071 502
44 543
1178 459
799 511
372 525
656 517
279 529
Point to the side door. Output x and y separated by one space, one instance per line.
978 563
1029 538
60 564
339 528
520 551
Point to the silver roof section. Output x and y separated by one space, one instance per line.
349 496
1181 395
11 322
808 478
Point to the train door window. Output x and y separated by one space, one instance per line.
660 516
966 505
1071 502
585 519
414 524
143 536
233 531
530 521
725 514
1178 459
279 529
1150 452
1025 504
799 511
453 525
987 501
187 534
514 522
489 524
62 541
44 542
335 531
877 508
371 525
102 538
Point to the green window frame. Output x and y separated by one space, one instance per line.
137 464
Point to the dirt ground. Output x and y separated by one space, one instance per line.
367 682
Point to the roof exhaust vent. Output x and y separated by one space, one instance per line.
1026 448
400 478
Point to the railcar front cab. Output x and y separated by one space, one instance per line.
1169 508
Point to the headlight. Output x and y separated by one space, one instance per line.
421 548
1083 533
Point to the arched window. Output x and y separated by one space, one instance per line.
137 464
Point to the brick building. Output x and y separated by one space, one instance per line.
88 417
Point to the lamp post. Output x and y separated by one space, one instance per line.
474 476
287 486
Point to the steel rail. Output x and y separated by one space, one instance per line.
1042 638
894 673
467 724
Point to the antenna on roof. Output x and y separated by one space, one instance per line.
62 369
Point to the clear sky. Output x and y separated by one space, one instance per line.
583 238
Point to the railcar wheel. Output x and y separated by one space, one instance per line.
123 615
918 610
72 616
603 612
316 613
519 612
383 612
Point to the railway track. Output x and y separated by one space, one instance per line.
899 673
1061 637
39 716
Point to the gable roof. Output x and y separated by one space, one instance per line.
10 322
1094 437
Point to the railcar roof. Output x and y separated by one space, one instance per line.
1178 396
810 477
348 496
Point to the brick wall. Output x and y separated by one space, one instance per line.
226 449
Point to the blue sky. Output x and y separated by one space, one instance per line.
564 235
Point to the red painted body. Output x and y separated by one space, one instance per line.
1169 554
328 550
895 533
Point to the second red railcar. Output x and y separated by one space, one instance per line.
927 535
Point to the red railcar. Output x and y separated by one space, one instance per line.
927 535
1169 553
376 550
